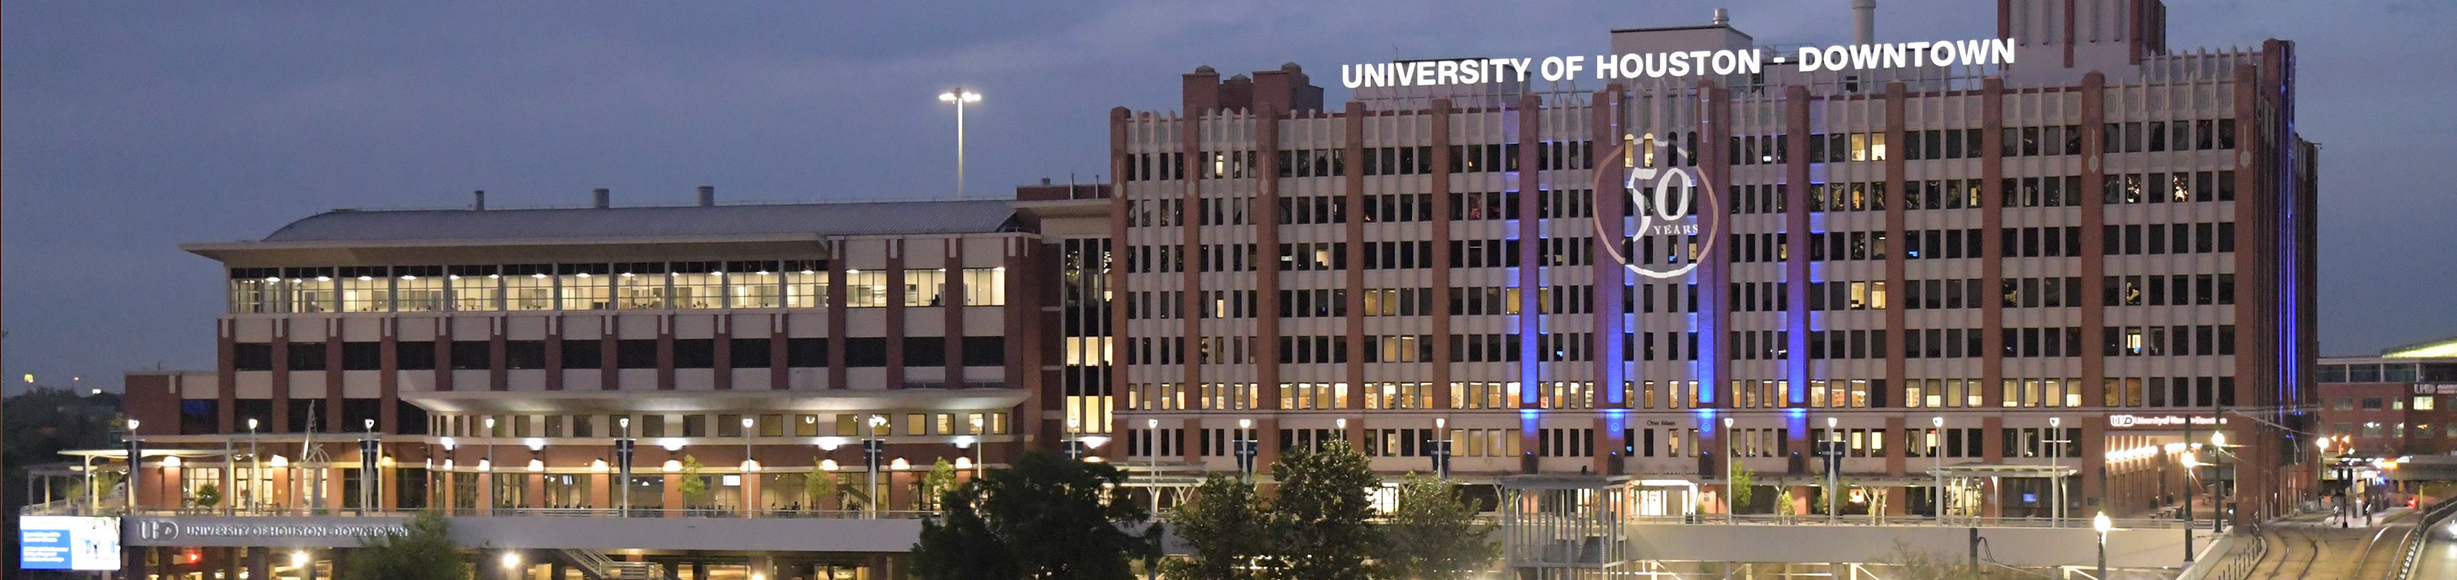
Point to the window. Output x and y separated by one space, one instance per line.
746 353
696 353
806 284
925 351
584 286
753 285
698 285
985 286
641 286
2425 403
366 289
985 351
865 289
583 354
476 288
524 354
528 287
866 352
635 354
472 355
408 355
253 356
806 352
925 287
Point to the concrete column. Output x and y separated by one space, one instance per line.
673 495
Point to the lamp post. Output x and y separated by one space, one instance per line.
623 448
136 459
1834 459
255 468
980 466
2102 524
2218 482
489 467
959 96
1245 450
2191 468
1441 448
874 448
1731 466
2056 478
368 476
1151 449
1936 457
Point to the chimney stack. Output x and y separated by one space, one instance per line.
602 198
481 195
708 196
1723 17
1863 21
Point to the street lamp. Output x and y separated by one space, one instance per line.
874 448
1245 449
2056 478
255 468
1936 456
2218 482
2192 465
511 561
980 464
1151 449
2102 524
623 447
1441 448
1834 459
959 96
1731 475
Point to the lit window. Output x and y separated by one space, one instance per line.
2425 403
865 289
985 286
925 287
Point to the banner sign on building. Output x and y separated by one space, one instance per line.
67 543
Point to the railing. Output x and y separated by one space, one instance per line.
1950 521
645 513
2237 564
2412 548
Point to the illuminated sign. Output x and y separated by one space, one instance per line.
2139 421
1667 202
1610 67
67 543
159 531
2435 389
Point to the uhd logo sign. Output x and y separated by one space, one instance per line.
1667 201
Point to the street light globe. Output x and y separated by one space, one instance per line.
964 463
1151 423
1245 423
1830 421
298 559
1095 441
251 424
511 560
2218 439
2101 523
1937 421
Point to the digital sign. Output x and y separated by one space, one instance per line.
67 543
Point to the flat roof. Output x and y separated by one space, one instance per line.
366 228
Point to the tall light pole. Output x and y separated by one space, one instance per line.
2218 481
874 448
2056 478
1731 473
2191 467
959 96
1151 449
1441 448
623 448
1246 449
255 469
489 466
1936 457
1834 459
2102 524
980 466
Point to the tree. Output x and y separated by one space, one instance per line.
1229 528
940 480
1047 517
1323 534
817 486
1783 505
694 487
208 495
423 550
1741 487
1433 534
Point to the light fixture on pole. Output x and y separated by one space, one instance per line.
2102 524
1936 455
1834 460
1151 449
1731 470
960 97
488 466
2218 482
2056 476
1441 448
874 448
623 449
1245 450
981 465
255 469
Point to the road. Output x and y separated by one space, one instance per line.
2311 547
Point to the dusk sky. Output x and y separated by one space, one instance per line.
128 128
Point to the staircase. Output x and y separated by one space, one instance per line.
596 566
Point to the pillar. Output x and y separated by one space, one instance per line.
673 495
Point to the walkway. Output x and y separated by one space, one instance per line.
2313 546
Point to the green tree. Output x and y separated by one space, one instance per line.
1048 517
817 486
1742 487
208 495
1229 528
422 551
1433 534
1323 533
940 480
1783 505
694 486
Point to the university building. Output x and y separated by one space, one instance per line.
2009 291
1996 278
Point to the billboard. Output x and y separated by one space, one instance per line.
67 543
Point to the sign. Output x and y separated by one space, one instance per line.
67 543
164 531
2435 389
1689 63
2154 421
1667 203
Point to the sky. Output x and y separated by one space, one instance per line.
128 128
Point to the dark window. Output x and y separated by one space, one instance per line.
302 411
747 353
865 352
635 354
925 351
259 409
584 354
985 351
697 353
524 354
471 355
251 356
355 413
201 417
306 356
806 352
362 356
413 355
409 420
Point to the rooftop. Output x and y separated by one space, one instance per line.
426 227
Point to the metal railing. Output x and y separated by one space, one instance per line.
1908 521
2412 548
647 513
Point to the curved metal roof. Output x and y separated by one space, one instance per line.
819 219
